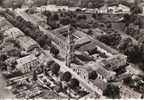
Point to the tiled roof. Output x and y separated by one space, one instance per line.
27 43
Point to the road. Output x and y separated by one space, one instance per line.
4 92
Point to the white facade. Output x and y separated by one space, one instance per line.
120 9
27 64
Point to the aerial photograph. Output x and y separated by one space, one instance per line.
71 49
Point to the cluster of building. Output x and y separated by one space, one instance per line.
106 59
90 55
120 9
31 58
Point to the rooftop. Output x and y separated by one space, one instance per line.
13 33
26 59
27 43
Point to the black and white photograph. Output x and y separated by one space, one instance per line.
71 49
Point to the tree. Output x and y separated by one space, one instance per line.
12 3
125 44
133 53
34 76
111 40
55 68
92 75
112 91
3 57
135 9
59 87
81 17
43 40
66 76
74 83
1 36
55 17
90 5
54 51
52 23
90 32
47 13
127 80
39 3
93 3
65 20
94 16
49 63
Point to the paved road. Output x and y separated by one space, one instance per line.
4 92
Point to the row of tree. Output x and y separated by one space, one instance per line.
134 52
55 20
19 3
80 3
29 29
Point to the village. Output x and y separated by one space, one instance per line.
54 52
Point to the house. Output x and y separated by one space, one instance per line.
13 33
4 24
134 70
8 46
41 21
115 62
103 74
120 9
27 43
127 93
27 64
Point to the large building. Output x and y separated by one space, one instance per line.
13 33
27 43
4 24
27 64
126 92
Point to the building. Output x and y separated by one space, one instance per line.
4 24
113 59
61 35
13 33
40 20
27 43
134 70
84 43
84 70
115 62
126 92
120 9
27 64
